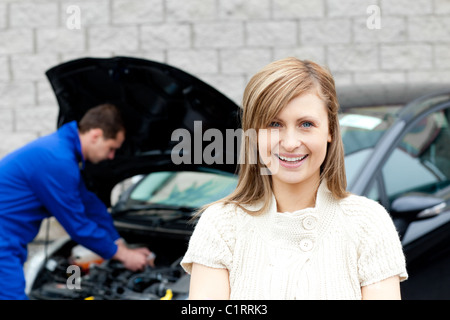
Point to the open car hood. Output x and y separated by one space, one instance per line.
155 99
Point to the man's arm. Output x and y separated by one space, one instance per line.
96 211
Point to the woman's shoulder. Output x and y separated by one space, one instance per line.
221 210
354 205
372 229
365 213
221 215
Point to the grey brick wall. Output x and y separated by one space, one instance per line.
222 42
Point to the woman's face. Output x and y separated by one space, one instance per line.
294 145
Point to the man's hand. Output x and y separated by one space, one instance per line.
133 259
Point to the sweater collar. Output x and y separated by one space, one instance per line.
69 132
301 228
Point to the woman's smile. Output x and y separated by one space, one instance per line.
291 161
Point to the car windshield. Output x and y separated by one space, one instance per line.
361 128
183 189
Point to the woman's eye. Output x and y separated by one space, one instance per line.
274 124
307 124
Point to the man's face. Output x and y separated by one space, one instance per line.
104 149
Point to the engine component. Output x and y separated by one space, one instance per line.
111 280
84 257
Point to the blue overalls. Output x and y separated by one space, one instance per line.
40 180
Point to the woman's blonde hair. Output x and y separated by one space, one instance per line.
266 94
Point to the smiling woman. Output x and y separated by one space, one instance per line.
299 149
294 233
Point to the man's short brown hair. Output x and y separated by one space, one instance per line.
106 117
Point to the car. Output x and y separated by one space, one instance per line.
154 212
395 137
396 141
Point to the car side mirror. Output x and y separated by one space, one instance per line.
417 206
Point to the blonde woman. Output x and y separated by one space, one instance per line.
294 233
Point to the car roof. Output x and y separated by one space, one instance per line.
351 96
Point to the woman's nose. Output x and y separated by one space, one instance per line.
290 140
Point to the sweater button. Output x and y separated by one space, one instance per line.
309 223
306 245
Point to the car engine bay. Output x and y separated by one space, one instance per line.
107 280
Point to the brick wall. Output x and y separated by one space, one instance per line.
222 42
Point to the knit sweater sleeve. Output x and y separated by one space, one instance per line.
212 241
380 253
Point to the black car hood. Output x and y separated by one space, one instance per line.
155 99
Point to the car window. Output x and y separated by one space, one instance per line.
354 161
361 128
184 188
421 161
373 192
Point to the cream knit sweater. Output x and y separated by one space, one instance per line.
325 252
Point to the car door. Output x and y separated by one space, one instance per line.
419 166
